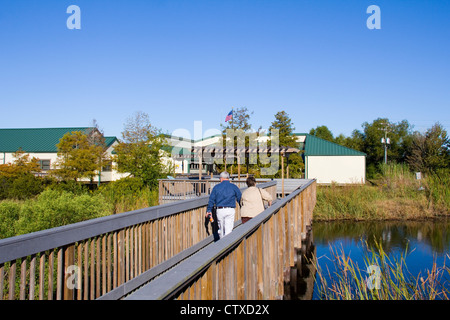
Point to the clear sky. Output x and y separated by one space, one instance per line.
182 61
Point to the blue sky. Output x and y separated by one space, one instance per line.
193 60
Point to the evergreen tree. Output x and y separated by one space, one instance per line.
285 128
283 123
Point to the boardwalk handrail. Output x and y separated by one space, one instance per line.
171 190
89 243
182 277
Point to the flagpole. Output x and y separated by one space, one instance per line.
232 118
232 128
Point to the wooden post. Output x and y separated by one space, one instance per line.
239 165
69 260
287 167
200 164
282 174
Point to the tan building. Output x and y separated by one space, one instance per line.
41 144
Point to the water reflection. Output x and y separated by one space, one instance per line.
423 242
432 236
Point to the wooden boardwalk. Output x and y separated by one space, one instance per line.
141 254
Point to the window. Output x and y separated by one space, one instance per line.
45 165
107 167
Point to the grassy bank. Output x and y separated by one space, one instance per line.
395 194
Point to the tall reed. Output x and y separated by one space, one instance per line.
382 278
395 194
438 185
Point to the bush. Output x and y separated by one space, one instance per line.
26 186
71 186
21 187
9 214
52 209
128 194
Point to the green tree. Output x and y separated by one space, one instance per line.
285 128
240 120
371 136
18 180
295 165
355 141
96 138
77 157
234 134
322 132
21 165
142 149
430 151
283 123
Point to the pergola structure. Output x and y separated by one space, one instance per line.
213 153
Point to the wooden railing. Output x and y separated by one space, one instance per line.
252 262
171 190
87 260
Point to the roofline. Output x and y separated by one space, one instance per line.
114 138
346 155
337 155
46 128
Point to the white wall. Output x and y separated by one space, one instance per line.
338 169
53 157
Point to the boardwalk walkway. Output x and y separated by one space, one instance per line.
126 255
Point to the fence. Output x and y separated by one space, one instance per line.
252 262
87 260
171 190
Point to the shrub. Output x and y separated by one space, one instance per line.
71 186
52 209
26 186
9 214
128 194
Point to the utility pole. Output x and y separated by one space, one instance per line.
385 141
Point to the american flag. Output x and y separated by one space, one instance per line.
229 116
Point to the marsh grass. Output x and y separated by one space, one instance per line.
129 194
396 194
348 281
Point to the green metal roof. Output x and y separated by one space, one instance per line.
315 146
37 139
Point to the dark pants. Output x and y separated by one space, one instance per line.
245 219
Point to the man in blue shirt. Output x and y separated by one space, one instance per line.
224 196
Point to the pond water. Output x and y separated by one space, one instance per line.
422 243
